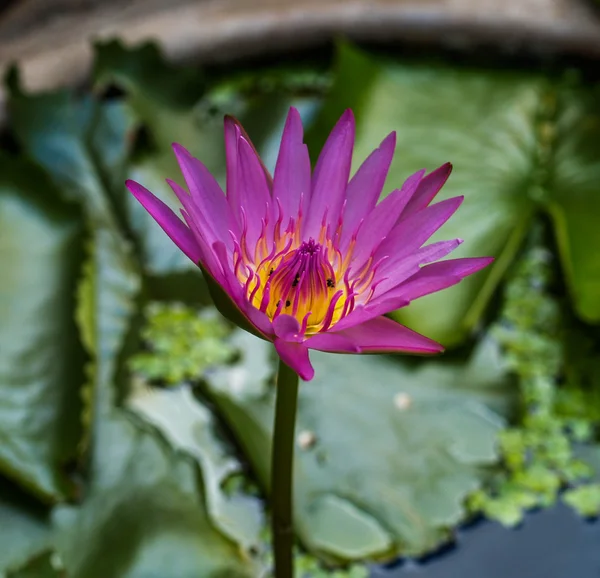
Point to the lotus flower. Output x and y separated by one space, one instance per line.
313 261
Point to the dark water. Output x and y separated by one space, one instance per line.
553 543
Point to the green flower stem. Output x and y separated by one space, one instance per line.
282 463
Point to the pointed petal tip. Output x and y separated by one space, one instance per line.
137 190
348 115
180 150
295 356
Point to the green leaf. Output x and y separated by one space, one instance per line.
385 453
25 528
513 151
83 144
44 566
144 505
182 343
144 514
41 359
574 193
584 499
189 426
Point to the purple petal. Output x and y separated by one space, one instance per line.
382 335
428 189
330 178
231 158
373 309
168 221
457 267
233 133
382 219
401 266
295 356
292 172
208 259
200 225
286 327
332 343
435 277
206 193
365 187
254 191
418 287
234 290
408 235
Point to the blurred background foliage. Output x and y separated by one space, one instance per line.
135 423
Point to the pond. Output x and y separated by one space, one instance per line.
553 543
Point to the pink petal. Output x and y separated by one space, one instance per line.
200 218
382 335
435 277
330 178
292 172
234 132
382 219
231 158
206 193
259 319
209 260
295 356
428 189
332 343
372 309
286 327
168 221
457 267
365 187
254 191
233 288
409 234
401 265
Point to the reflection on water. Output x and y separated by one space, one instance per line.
553 543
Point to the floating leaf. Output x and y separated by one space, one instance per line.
574 192
41 359
46 565
83 144
385 454
144 504
584 499
189 426
24 531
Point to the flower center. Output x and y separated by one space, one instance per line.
309 280
301 282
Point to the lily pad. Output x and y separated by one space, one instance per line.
45 565
41 359
144 504
25 531
144 514
519 143
83 145
386 452
190 427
